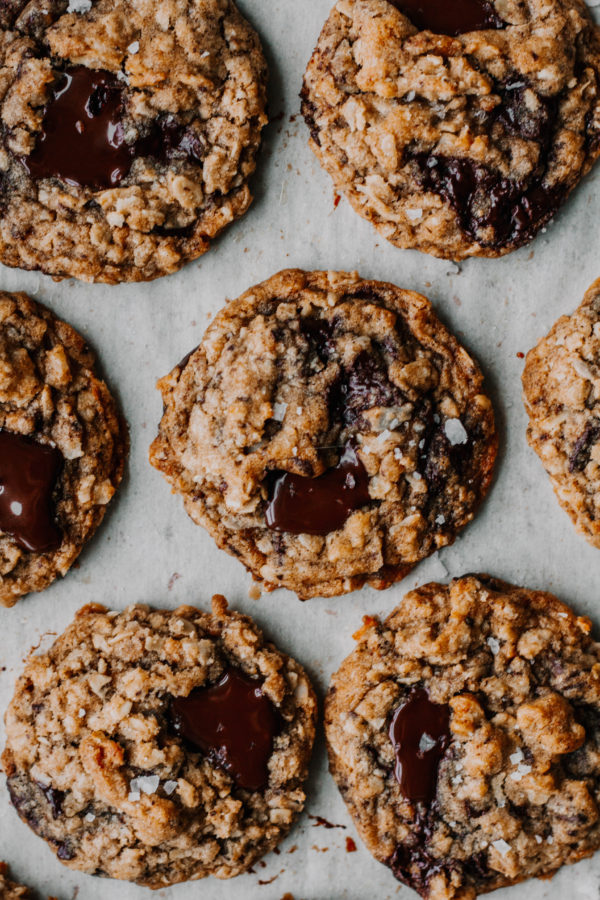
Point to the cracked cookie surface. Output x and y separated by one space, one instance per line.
129 132
561 389
96 767
50 397
351 389
518 784
456 144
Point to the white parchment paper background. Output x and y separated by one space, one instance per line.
148 550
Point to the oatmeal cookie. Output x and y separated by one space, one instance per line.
463 733
129 132
10 890
456 129
160 746
328 431
62 447
561 388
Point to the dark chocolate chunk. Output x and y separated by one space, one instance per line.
483 200
55 798
420 734
65 851
82 139
520 118
580 455
28 473
234 723
452 17
319 334
183 362
366 385
415 866
169 139
301 505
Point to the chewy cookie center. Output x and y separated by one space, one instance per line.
371 428
233 722
28 473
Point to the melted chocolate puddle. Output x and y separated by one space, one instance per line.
82 140
301 505
234 723
420 734
452 17
483 199
28 473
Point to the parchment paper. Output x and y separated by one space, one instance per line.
148 550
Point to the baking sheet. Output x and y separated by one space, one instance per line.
149 551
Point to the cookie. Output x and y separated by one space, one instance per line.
328 431
463 734
159 746
129 131
10 890
561 389
456 129
62 447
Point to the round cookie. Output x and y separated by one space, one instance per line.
62 447
328 431
561 389
456 129
10 890
129 133
160 746
463 735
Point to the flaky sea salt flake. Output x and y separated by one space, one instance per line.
79 6
522 770
148 783
501 846
426 743
279 411
494 644
455 431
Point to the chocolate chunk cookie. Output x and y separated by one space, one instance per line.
463 733
10 890
62 447
328 431
160 746
129 131
561 389
456 128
